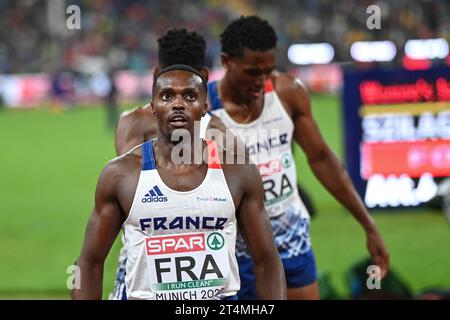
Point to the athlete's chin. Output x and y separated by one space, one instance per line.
179 124
252 95
180 133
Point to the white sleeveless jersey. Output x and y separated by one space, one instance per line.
181 245
268 140
119 284
204 123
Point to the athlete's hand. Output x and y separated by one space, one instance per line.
378 251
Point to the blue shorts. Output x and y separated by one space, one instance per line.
119 291
300 271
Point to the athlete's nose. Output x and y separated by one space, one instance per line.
262 80
178 103
266 76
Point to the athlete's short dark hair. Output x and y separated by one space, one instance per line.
179 46
250 32
183 67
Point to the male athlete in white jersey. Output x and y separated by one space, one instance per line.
180 220
176 46
270 110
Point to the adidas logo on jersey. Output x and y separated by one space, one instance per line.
154 195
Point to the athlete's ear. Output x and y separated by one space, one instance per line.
205 73
225 60
155 72
205 108
152 108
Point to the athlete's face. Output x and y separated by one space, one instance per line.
179 99
249 71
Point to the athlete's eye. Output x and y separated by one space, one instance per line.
165 96
253 72
191 97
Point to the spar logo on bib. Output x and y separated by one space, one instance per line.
187 266
215 241
176 244
286 161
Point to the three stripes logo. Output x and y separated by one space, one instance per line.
154 195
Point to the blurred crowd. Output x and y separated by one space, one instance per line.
118 34
343 22
122 34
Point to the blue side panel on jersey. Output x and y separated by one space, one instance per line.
148 159
214 98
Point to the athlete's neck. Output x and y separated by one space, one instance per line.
240 109
228 92
186 151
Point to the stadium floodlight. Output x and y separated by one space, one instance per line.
427 48
311 53
370 51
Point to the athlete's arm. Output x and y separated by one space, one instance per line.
103 226
256 229
326 166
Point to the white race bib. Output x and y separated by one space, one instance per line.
189 266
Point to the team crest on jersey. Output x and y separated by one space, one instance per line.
154 195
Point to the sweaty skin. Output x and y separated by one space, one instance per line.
242 94
139 125
177 92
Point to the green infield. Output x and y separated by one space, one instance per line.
49 167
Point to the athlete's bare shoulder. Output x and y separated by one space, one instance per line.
285 81
291 91
135 112
124 164
216 123
134 127
118 181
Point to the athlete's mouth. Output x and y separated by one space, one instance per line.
256 92
178 120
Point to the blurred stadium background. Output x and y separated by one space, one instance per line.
61 91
